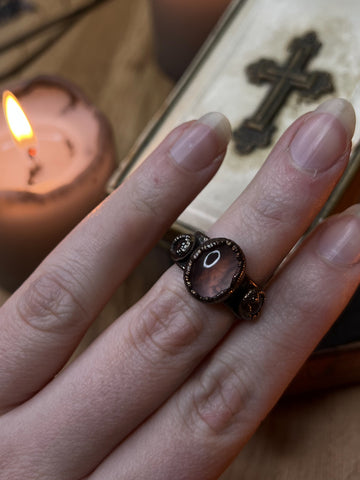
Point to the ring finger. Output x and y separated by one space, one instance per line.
207 421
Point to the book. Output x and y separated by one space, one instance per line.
265 64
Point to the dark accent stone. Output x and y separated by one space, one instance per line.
182 246
247 301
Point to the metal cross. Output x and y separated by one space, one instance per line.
257 130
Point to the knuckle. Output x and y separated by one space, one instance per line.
295 302
270 211
306 283
219 399
50 303
275 207
166 325
144 199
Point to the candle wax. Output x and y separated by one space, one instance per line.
76 156
54 155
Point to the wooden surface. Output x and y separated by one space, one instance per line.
109 54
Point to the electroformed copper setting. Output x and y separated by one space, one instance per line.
214 271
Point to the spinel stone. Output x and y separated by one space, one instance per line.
181 246
214 270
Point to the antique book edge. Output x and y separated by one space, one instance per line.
129 161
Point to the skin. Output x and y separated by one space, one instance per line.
173 388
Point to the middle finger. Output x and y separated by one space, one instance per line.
291 188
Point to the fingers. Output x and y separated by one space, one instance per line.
220 407
43 322
142 359
291 188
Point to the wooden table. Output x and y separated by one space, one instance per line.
109 54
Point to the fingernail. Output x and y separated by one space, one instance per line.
324 136
339 243
202 143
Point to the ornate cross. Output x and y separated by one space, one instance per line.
257 130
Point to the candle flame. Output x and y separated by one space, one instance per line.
17 121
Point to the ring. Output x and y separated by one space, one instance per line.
214 271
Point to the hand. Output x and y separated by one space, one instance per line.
174 388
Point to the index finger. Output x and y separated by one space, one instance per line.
44 320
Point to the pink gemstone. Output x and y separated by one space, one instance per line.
213 271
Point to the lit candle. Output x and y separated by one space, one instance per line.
24 137
56 155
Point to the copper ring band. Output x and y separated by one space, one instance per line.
214 271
